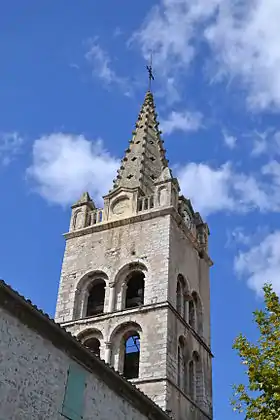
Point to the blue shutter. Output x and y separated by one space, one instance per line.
73 404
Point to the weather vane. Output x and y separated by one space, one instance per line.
150 72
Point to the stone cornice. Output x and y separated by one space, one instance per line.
108 315
139 310
36 320
151 214
99 227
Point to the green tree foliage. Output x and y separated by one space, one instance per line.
260 398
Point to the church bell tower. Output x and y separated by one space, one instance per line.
134 284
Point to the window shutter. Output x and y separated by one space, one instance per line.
73 404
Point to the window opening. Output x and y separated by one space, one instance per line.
95 304
179 361
191 379
192 313
135 290
132 356
93 344
179 297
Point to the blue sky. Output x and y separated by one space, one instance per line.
72 80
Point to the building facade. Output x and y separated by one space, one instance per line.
134 284
47 374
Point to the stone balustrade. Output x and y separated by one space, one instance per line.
96 217
145 203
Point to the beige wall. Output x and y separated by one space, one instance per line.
33 374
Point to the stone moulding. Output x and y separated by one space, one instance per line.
163 211
143 309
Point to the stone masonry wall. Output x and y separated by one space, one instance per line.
109 250
162 247
203 411
185 260
33 374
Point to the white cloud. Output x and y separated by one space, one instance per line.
10 146
243 37
261 263
102 69
65 165
168 31
237 236
181 121
101 63
208 188
230 141
266 143
260 144
169 91
223 189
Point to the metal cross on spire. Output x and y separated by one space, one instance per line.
150 72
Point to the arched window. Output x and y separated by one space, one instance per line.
125 349
192 314
91 338
131 356
196 388
179 295
199 389
135 289
191 379
179 363
198 313
93 344
181 371
182 295
90 294
96 295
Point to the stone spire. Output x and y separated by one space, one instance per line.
144 159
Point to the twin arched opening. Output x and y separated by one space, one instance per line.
189 372
127 291
122 351
196 387
188 305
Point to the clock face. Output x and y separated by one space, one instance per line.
120 206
